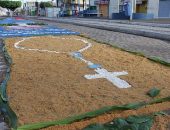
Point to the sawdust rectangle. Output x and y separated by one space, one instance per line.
47 86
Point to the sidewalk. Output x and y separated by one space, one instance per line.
152 30
153 23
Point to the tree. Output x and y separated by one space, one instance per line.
12 5
45 4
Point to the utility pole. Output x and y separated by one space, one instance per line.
133 8
131 14
57 3
79 5
89 3
83 5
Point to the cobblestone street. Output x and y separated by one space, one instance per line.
148 46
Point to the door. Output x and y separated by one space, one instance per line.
164 8
104 10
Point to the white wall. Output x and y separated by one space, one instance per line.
153 7
113 7
92 2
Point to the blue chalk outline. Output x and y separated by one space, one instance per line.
6 32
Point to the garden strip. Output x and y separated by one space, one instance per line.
36 75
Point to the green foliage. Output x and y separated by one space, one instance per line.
36 24
12 5
8 24
45 4
153 92
95 127
138 119
92 114
10 116
131 123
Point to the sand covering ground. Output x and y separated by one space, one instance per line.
47 86
160 122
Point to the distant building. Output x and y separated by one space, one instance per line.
141 9
102 7
3 11
32 7
112 9
164 9
73 7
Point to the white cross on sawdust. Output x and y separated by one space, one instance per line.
110 76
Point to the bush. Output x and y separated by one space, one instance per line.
45 4
8 24
12 5
36 24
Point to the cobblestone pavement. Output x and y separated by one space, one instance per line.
120 22
151 30
163 28
148 46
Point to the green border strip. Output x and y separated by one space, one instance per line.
9 114
132 122
153 58
92 114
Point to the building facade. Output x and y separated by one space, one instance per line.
112 9
103 7
73 7
32 7
123 8
139 8
164 9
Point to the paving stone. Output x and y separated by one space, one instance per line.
135 28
